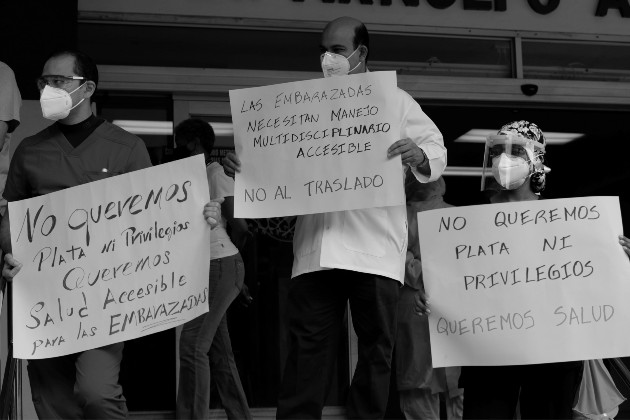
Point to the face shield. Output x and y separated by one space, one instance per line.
509 159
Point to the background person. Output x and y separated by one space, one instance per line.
10 103
207 336
419 384
355 255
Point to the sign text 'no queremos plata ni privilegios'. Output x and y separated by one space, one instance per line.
317 145
111 260
527 282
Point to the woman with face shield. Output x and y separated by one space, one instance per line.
513 170
514 158
513 167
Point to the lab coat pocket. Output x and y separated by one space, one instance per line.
364 230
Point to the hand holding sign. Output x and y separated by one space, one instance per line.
409 151
231 164
212 212
625 244
11 267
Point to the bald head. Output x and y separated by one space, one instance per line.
345 23
343 36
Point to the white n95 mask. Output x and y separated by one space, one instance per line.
56 103
336 64
510 171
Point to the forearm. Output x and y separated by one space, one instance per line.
424 168
4 128
5 233
239 229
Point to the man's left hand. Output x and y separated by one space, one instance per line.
625 244
409 151
212 212
11 267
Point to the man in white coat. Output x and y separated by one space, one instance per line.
355 255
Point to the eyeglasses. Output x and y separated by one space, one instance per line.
56 81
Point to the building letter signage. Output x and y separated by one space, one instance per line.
622 5
542 7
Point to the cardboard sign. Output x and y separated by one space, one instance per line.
317 146
111 260
526 282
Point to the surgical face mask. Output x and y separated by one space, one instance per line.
336 64
56 103
510 171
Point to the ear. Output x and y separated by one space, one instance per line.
90 88
363 52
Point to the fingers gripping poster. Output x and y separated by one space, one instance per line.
317 145
111 260
524 283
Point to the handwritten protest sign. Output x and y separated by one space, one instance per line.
526 282
111 260
317 146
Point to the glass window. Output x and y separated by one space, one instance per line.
543 59
290 50
442 56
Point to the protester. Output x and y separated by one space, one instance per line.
355 255
10 103
419 384
545 391
207 336
78 148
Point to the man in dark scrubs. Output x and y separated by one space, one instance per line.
78 148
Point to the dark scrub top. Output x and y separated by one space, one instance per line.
47 162
76 133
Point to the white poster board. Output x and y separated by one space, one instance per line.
111 260
317 146
527 282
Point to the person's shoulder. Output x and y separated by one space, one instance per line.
404 95
115 134
33 143
215 166
43 136
6 71
216 169
406 100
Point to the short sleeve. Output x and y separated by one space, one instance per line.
220 184
10 99
17 186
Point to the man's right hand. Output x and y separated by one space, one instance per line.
11 267
231 164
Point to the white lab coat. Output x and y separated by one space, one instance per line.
369 240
